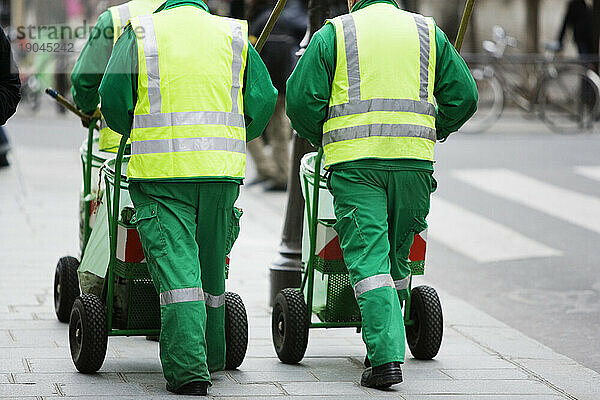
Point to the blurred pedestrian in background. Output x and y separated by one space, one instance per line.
10 92
580 19
279 55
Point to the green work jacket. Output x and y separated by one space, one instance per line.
119 86
309 89
89 69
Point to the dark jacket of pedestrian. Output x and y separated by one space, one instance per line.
10 84
579 18
279 53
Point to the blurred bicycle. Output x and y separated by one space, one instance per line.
564 95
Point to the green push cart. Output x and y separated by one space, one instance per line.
66 282
129 304
326 291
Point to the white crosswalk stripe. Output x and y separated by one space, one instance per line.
573 207
479 238
588 172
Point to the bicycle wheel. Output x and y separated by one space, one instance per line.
569 99
491 101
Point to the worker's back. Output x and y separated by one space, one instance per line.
189 117
382 103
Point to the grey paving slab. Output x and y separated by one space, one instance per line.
27 390
68 377
143 378
271 376
105 389
582 383
14 365
484 397
41 365
471 387
320 397
324 389
487 374
58 337
457 362
31 352
6 317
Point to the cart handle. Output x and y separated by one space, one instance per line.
60 99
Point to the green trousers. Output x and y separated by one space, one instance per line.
378 212
185 232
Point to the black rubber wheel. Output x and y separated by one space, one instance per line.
425 336
66 287
236 331
88 337
289 326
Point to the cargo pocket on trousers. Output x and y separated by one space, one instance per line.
233 231
351 237
151 232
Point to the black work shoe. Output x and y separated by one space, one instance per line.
198 388
383 376
152 338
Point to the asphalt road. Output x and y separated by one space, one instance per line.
514 227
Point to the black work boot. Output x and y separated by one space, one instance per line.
382 376
197 388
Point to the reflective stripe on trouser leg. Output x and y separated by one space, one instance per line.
373 282
360 206
402 284
181 295
214 301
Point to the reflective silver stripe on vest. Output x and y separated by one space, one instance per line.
423 29
124 15
188 144
373 282
214 301
181 295
353 65
402 284
150 45
237 47
388 130
396 105
188 118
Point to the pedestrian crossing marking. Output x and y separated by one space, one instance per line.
588 172
479 238
570 206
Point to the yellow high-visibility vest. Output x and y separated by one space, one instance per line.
189 116
109 139
382 103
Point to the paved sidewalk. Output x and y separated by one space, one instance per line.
481 358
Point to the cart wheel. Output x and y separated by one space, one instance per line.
236 331
66 287
289 326
425 336
88 337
